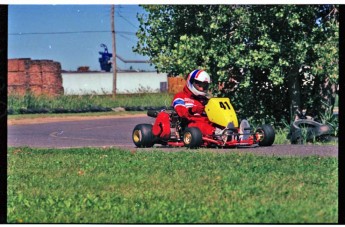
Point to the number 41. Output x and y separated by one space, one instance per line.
224 105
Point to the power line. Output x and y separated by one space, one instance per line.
118 13
64 33
127 38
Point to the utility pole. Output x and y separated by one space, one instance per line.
114 48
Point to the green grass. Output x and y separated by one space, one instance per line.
65 115
89 185
29 101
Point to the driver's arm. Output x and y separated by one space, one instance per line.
180 107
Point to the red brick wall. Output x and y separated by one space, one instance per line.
35 76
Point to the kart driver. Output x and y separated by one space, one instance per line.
190 103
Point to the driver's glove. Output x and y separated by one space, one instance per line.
198 109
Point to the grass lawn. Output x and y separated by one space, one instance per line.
95 185
66 115
75 102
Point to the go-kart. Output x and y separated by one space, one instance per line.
172 130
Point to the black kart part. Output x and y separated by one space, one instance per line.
142 135
307 130
152 113
192 137
266 135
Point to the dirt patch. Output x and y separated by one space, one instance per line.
41 120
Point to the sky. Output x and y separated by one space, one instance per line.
72 34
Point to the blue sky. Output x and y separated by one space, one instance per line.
35 32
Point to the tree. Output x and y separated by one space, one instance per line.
267 59
324 60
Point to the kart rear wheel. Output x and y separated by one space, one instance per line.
142 135
192 137
266 135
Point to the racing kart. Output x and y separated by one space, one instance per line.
172 130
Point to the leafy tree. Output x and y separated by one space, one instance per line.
323 60
270 60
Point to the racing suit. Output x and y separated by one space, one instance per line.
191 107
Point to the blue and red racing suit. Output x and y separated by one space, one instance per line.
191 107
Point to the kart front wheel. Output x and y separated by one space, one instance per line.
192 137
142 135
266 135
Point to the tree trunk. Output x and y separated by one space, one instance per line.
294 88
324 98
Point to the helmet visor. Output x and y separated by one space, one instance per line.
201 86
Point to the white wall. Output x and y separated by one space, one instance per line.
76 83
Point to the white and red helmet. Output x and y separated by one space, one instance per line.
198 82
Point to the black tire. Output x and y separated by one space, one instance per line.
192 137
267 135
142 135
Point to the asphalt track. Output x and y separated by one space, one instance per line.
117 132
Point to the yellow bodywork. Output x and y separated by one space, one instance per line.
221 112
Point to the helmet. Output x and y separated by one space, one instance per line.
198 82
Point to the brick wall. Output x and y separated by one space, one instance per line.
35 76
